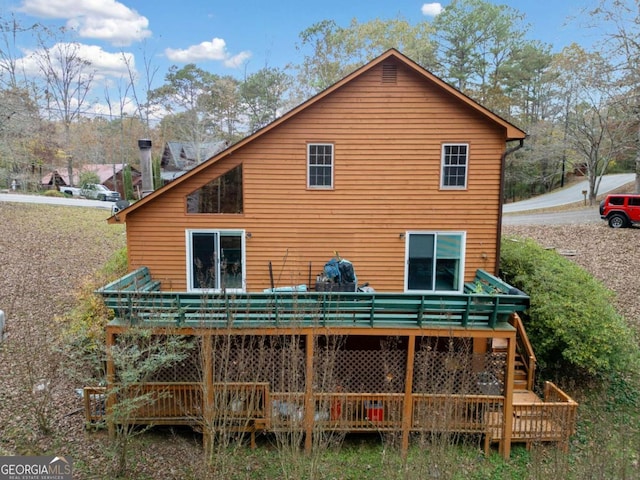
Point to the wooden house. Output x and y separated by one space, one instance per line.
401 174
110 175
180 157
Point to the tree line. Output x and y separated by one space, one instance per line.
580 106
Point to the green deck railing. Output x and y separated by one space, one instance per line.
136 299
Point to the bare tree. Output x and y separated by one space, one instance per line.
596 111
11 30
144 106
622 19
68 78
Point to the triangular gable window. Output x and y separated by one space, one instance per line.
221 195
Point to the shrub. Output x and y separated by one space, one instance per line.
89 177
572 322
116 266
53 193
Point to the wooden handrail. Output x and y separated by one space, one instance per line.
249 407
136 298
525 348
553 394
138 280
314 308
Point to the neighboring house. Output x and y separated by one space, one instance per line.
400 173
54 179
180 157
110 175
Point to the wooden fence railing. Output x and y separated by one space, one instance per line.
146 305
95 404
251 407
551 420
454 413
158 403
358 411
232 401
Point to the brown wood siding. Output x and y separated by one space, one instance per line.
387 150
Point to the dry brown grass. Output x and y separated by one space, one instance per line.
47 252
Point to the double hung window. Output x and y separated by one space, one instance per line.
455 160
320 165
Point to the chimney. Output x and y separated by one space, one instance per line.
145 166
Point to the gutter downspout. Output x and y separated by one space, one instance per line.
501 202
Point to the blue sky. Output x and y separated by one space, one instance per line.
243 36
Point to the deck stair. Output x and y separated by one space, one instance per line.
499 345
520 374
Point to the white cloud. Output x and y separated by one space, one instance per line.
432 9
118 32
237 60
216 49
102 64
107 64
106 20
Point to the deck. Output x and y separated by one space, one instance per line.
420 385
535 420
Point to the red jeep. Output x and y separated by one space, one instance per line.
620 210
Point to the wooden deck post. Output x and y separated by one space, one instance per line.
111 378
507 426
309 407
207 394
407 410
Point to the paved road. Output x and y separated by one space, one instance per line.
569 195
566 217
517 213
70 202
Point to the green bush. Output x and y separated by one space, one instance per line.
572 323
128 183
89 177
116 266
53 193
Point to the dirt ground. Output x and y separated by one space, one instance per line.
611 255
47 252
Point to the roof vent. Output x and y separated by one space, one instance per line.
389 73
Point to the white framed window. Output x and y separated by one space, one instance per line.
434 261
320 165
455 161
215 260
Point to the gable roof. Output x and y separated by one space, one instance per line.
104 172
180 156
512 132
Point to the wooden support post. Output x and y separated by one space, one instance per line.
407 410
507 426
111 378
207 391
309 403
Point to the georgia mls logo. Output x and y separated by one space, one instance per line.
35 468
